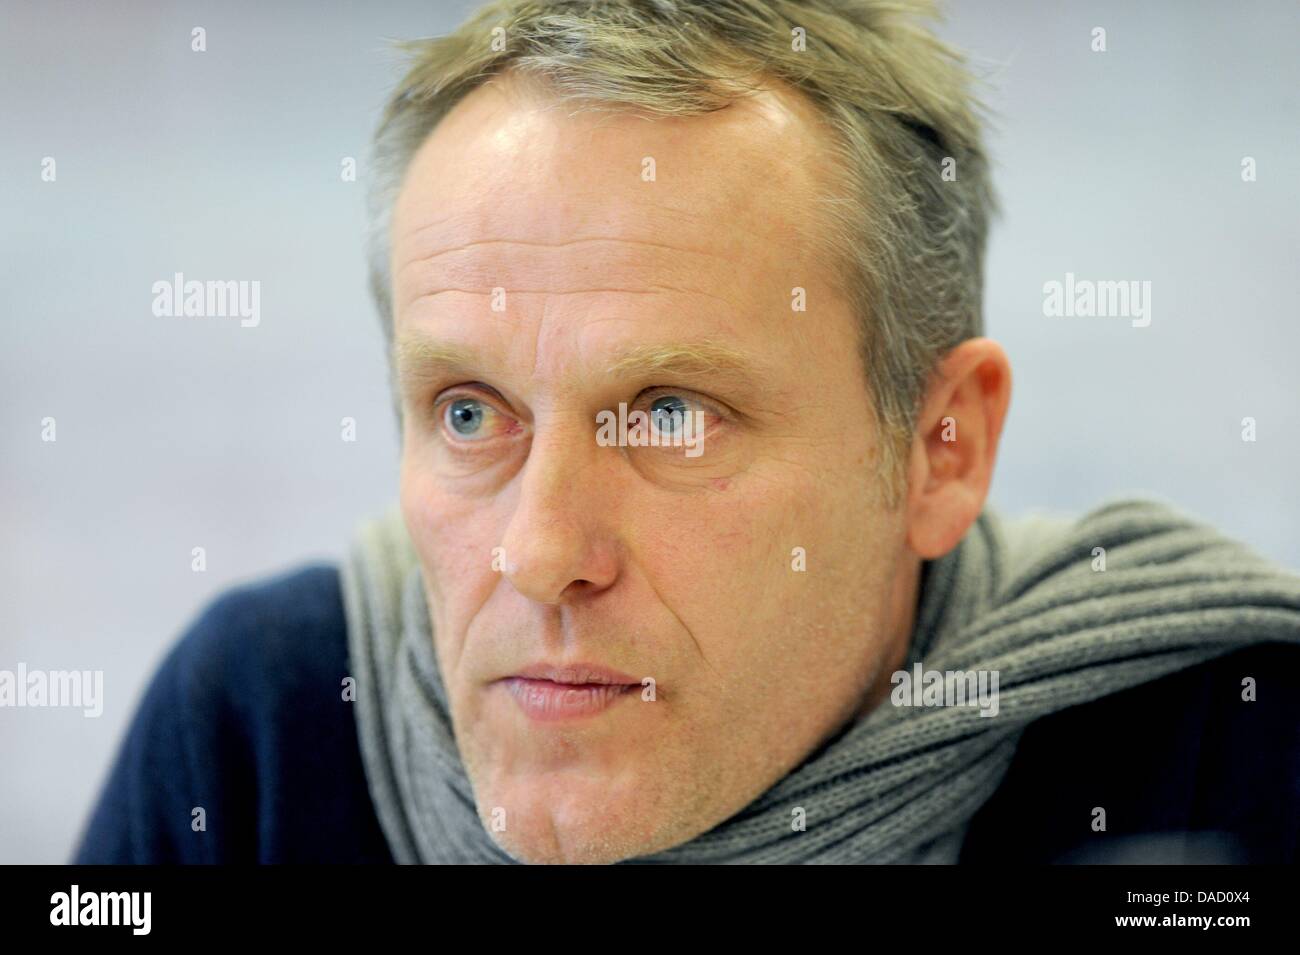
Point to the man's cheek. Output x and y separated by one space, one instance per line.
713 617
751 548
415 496
451 527
460 557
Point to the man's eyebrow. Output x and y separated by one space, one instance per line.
705 363
418 359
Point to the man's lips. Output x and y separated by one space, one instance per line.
548 693
575 673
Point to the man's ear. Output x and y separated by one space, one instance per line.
956 444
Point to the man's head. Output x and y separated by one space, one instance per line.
678 207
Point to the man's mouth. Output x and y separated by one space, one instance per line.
548 693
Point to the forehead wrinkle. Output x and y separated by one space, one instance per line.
651 290
464 270
427 259
414 235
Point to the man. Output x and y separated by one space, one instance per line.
693 560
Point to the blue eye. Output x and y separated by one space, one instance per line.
465 416
668 414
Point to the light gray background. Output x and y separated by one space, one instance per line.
176 433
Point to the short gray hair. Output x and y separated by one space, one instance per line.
909 216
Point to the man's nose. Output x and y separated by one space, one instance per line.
557 544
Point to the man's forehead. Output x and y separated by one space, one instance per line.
437 264
517 168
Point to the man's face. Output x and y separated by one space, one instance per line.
545 272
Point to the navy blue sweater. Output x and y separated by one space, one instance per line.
246 720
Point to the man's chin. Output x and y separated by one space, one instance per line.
583 823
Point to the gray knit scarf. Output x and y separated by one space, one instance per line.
1024 598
